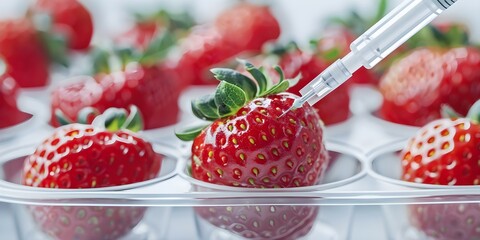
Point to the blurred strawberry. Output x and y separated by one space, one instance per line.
415 87
11 115
23 53
143 81
147 26
69 18
84 156
241 29
445 152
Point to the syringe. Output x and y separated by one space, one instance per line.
374 45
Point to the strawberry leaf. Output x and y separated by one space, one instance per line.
86 114
448 112
237 79
190 133
205 108
62 119
474 112
257 75
158 49
100 58
229 99
56 47
114 118
281 87
134 121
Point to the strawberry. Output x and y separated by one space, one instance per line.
445 152
415 88
8 102
153 87
85 156
249 144
22 51
208 46
70 19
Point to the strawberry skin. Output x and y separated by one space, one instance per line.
255 149
82 156
445 152
22 50
70 18
415 88
154 90
8 103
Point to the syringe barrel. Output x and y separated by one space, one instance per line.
396 28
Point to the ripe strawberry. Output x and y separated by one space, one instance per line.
22 51
208 46
258 26
84 156
8 103
250 145
153 87
415 88
70 18
445 152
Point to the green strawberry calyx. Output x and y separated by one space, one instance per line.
473 114
234 91
112 119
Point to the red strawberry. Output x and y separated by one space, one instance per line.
70 18
8 102
247 26
243 28
445 152
154 90
22 51
415 88
84 156
143 81
250 145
